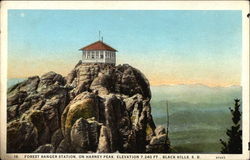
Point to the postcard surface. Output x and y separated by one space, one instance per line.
125 80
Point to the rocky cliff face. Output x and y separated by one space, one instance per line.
96 108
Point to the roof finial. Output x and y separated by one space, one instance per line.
102 39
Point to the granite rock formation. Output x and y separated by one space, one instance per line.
96 108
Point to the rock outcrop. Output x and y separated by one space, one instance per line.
96 108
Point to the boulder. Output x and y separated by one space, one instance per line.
56 138
80 136
29 85
106 78
64 147
85 108
16 98
38 120
160 130
21 137
159 143
85 135
51 116
12 112
104 141
102 83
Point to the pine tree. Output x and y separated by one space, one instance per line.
234 144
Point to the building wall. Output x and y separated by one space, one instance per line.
99 57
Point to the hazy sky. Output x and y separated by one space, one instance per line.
169 47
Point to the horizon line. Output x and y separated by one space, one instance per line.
163 84
197 84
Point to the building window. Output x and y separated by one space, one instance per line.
107 54
92 55
101 54
96 54
88 55
84 54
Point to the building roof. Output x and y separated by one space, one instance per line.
99 45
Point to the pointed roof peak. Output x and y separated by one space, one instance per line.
98 45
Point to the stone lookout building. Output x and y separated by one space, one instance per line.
98 52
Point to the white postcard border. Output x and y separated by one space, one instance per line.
130 5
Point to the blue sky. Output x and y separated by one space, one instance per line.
167 46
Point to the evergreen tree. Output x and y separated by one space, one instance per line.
234 144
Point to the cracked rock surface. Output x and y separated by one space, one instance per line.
96 108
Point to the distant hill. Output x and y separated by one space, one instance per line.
13 81
199 115
196 93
